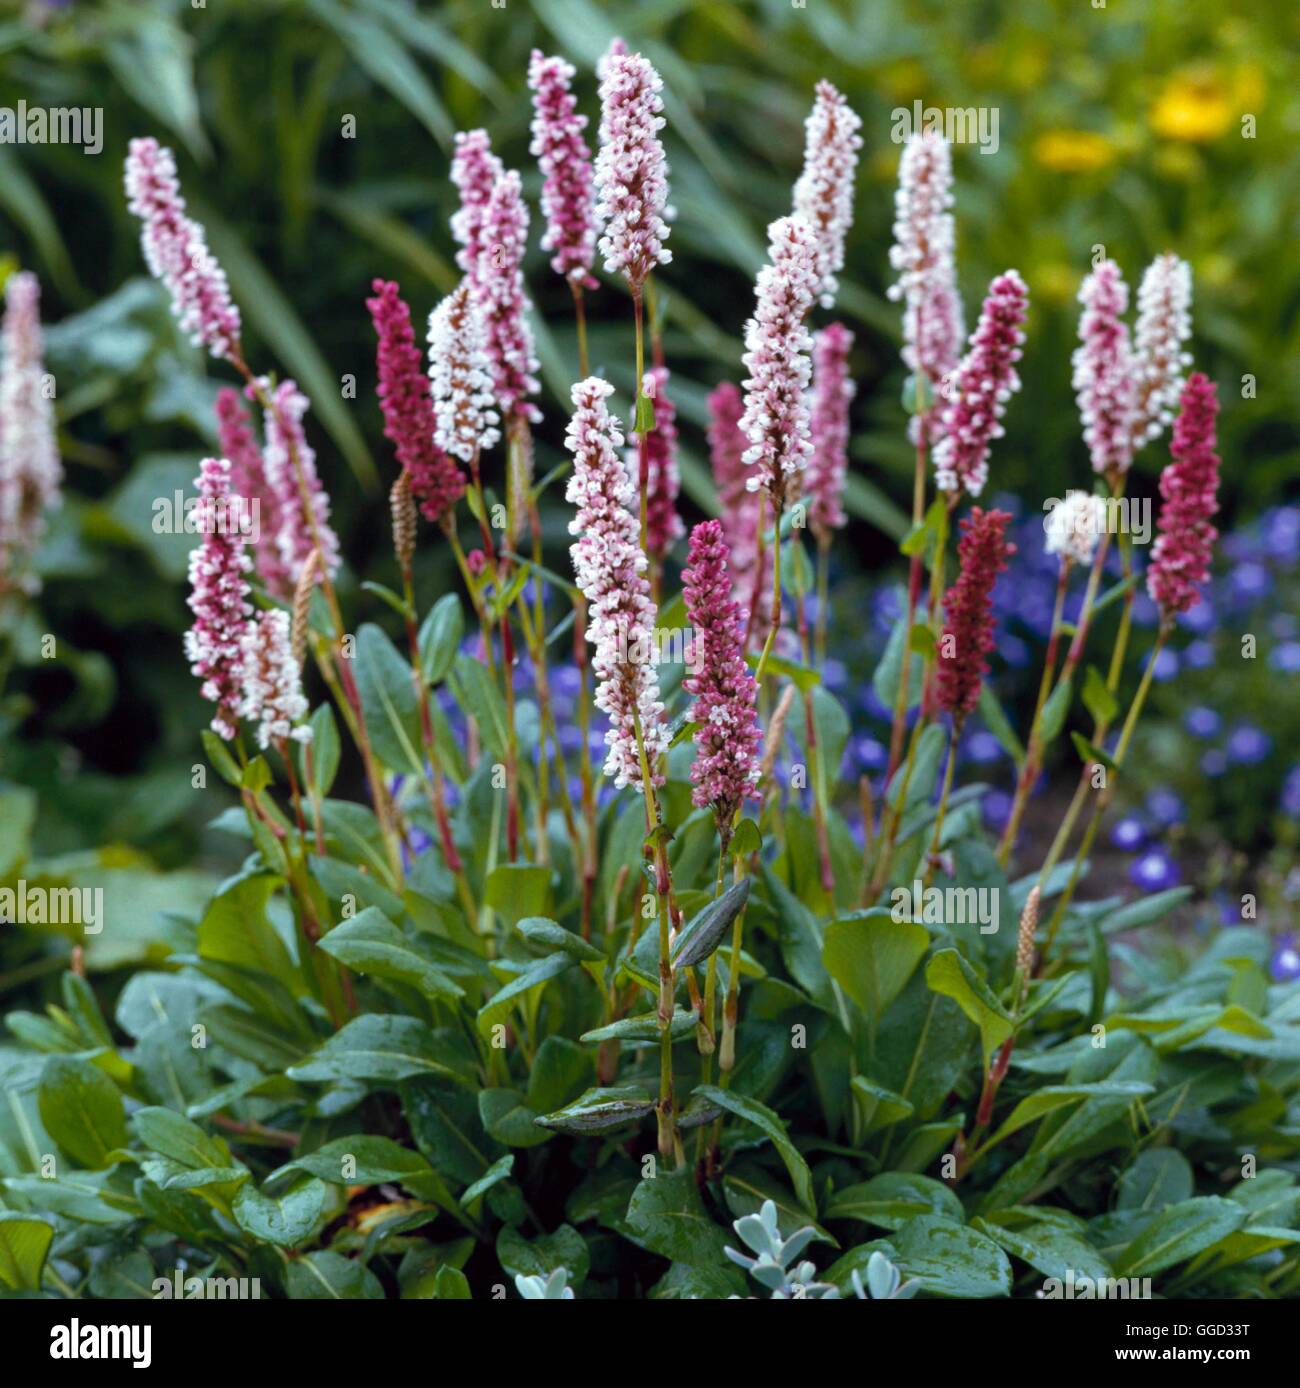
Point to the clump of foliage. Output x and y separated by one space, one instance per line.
482 1026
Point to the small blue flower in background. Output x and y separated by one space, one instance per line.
873 705
1282 533
1200 619
1214 763
1145 612
1229 911
1248 745
1290 801
1165 808
982 748
1284 625
1203 722
1198 656
887 606
1128 834
566 679
570 738
1166 665
1284 964
1286 657
996 807
1154 871
835 674
1250 581
1014 652
868 754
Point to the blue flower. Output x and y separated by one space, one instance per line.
869 754
997 809
1282 533
982 748
1203 722
1154 871
1199 656
835 673
1250 581
1286 657
1284 964
1014 651
1290 801
1200 619
1166 665
1248 745
1214 763
1145 612
1129 834
1165 808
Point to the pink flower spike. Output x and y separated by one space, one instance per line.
740 506
290 463
1104 381
610 567
663 525
568 200
460 378
30 471
248 479
823 196
831 393
474 171
498 289
271 694
980 388
923 254
176 250
436 482
968 634
727 736
631 170
1164 323
617 48
218 598
1180 558
777 357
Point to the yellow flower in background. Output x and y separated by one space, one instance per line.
1073 151
904 79
1195 105
1054 282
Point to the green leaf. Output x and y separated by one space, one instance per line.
369 943
379 1048
1145 910
925 768
541 1256
643 1029
1180 1232
1053 1096
949 973
441 633
327 1276
499 1171
921 640
81 1110
388 701
518 890
1097 699
1156 1178
548 934
702 935
879 1107
889 672
771 1126
892 1198
509 1118
871 956
999 725
222 762
536 975
284 1220
561 1070
235 929
1090 753
322 754
175 1137
598 1110
360 1160
24 1242
1047 1249
1057 706
667 1216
